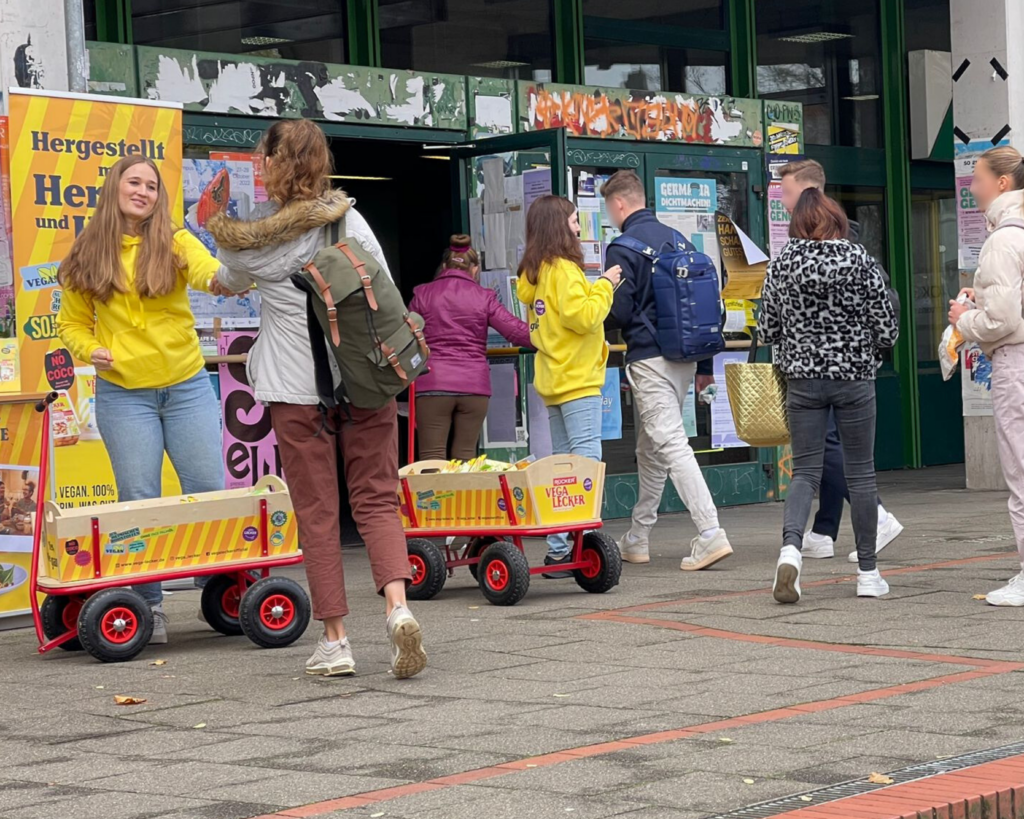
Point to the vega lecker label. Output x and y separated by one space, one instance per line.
565 494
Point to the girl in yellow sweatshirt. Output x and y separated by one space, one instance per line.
125 310
566 316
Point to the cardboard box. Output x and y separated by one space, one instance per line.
560 490
167 534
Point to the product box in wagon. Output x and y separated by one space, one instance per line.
561 489
168 534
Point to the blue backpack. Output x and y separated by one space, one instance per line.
687 299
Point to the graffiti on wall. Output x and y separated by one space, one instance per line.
254 86
647 115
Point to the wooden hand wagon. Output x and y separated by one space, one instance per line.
85 559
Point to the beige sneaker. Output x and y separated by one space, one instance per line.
635 549
407 655
707 552
331 660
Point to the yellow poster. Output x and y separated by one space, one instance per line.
19 488
61 148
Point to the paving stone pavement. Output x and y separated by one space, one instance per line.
843 681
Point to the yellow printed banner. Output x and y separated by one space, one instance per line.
62 146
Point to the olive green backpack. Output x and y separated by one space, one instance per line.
357 316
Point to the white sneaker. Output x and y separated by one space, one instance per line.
787 576
407 655
1012 594
635 549
887 533
818 546
706 552
871 584
331 660
159 637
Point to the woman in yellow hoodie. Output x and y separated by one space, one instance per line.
566 316
125 310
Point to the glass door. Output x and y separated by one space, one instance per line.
730 182
495 180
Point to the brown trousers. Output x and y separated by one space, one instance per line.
368 444
435 417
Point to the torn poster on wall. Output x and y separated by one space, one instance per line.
33 49
257 86
610 113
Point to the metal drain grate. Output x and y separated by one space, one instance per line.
855 788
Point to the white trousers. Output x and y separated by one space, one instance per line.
1008 408
662 449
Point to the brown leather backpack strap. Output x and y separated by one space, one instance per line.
325 291
389 354
360 267
416 331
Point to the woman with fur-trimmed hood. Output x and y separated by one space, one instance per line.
287 232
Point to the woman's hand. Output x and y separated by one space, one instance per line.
218 289
967 291
614 275
102 359
956 310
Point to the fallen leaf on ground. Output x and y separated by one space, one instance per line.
200 725
376 815
724 739
530 765
978 597
748 781
159 662
880 779
100 687
806 799
473 608
560 695
119 700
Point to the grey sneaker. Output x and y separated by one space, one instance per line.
407 655
331 660
159 637
635 549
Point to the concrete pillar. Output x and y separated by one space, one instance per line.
988 110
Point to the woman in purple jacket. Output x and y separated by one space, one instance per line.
457 311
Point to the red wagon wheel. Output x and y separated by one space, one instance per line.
503 574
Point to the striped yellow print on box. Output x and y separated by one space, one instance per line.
173 548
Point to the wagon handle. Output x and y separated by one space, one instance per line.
45 401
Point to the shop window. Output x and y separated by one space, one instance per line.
89 13
927 25
936 269
827 56
483 38
304 30
679 13
653 68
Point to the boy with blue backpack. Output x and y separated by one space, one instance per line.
669 309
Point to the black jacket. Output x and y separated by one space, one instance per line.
894 297
635 296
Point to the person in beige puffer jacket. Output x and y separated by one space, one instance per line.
997 325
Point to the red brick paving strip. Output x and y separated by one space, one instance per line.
992 790
970 797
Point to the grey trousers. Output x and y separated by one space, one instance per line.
853 403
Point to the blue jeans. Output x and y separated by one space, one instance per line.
138 426
575 430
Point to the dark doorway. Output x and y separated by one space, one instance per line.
404 193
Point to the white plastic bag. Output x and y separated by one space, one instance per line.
951 342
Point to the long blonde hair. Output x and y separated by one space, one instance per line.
94 264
